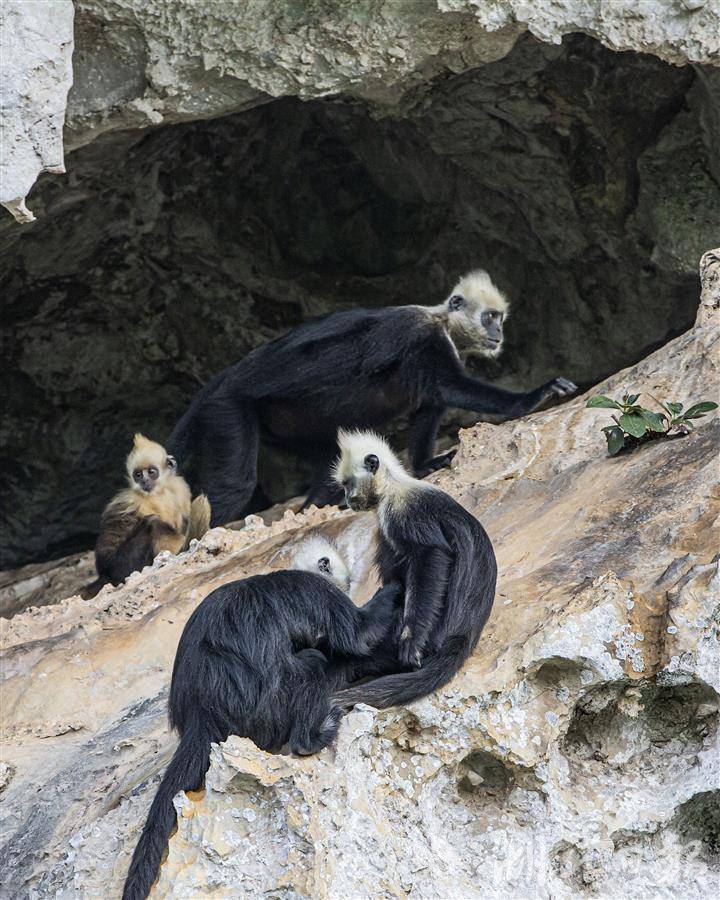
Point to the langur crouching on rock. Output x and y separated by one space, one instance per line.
153 514
252 661
440 554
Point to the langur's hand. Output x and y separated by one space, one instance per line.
559 387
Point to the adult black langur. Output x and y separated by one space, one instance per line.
360 368
441 555
252 661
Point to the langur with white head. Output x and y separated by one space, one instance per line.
438 552
356 368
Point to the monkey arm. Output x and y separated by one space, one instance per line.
165 536
428 574
380 614
379 624
462 391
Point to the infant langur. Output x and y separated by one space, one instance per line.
317 554
252 662
154 513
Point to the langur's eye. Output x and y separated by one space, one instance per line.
456 302
371 463
171 462
153 472
491 317
137 474
324 564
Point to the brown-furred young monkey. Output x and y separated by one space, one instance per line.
153 514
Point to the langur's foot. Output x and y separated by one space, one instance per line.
410 653
435 464
319 740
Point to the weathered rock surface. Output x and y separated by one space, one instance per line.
140 63
576 755
36 76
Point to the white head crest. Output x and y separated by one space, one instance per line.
319 555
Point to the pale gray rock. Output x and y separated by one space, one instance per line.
143 62
37 44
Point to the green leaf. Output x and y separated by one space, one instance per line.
654 421
615 439
632 398
600 402
633 423
674 408
700 409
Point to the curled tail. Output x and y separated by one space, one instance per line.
185 772
404 687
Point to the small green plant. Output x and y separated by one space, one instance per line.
634 424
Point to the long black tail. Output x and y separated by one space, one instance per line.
404 687
183 437
181 442
185 772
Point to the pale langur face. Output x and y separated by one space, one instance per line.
318 555
476 314
148 471
357 477
332 567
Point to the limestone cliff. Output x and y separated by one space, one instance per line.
576 755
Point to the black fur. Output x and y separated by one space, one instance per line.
444 558
252 661
354 369
125 545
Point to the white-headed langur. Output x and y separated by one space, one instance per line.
154 513
442 557
252 661
359 368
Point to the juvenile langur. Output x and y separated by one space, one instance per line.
359 368
317 554
153 513
438 552
252 661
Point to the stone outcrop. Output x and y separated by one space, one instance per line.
140 63
576 755
36 77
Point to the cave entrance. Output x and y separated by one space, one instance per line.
582 179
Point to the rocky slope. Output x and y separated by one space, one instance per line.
576 755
